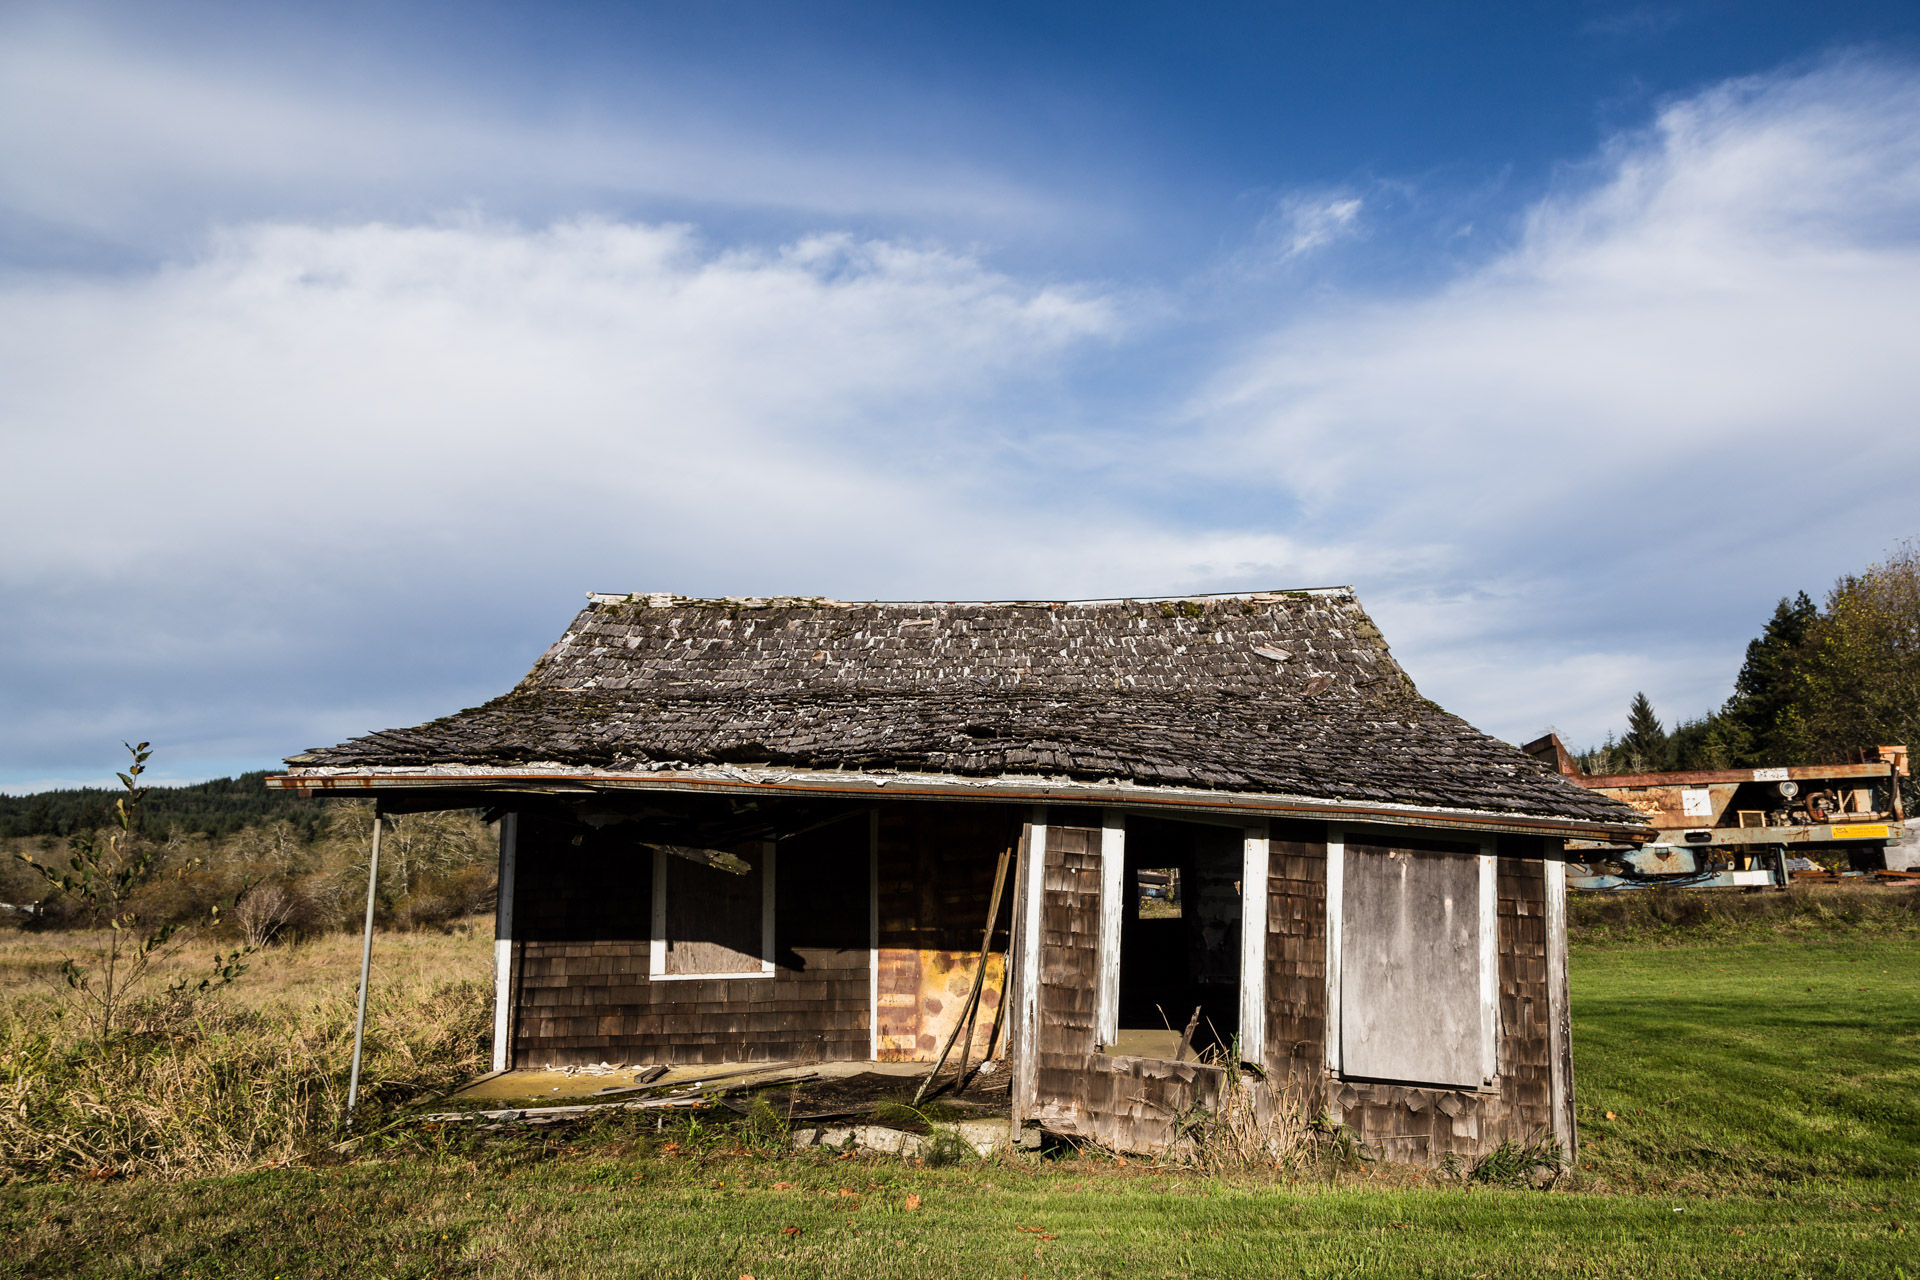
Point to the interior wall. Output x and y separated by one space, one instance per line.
583 924
937 863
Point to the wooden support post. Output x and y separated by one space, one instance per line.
1253 946
503 942
1113 898
873 933
1029 892
1563 1125
1336 881
1489 962
366 967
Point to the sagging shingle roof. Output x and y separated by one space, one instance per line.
1286 693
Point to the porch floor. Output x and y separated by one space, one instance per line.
837 1089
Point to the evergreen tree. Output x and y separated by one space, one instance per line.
1646 738
1764 713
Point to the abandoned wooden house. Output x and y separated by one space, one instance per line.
1235 837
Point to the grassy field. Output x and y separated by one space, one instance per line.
1761 1078
1749 1066
314 969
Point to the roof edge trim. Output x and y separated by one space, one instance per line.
732 779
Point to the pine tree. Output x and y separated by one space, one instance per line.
1763 710
1646 738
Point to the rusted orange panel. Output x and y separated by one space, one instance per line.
922 995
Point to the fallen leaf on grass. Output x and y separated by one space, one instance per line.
789 1231
845 1192
783 1186
913 1202
1612 1116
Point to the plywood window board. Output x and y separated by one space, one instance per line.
1412 964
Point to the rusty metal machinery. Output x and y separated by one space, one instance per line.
1728 828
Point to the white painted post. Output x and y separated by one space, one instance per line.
769 873
873 933
503 940
1559 1018
366 967
1027 1069
1253 946
1336 880
1113 898
1489 963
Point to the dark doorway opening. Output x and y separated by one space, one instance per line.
1179 939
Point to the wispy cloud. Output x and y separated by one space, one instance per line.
137 147
1302 224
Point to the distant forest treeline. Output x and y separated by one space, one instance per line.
214 809
1820 683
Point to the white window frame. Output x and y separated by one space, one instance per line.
657 957
1489 947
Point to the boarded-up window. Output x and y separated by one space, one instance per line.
1416 963
711 920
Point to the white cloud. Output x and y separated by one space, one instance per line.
1686 389
378 382
135 144
1302 224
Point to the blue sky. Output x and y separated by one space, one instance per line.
342 350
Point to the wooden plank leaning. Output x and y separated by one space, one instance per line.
966 1019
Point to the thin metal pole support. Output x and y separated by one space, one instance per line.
366 967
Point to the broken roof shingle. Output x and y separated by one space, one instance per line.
1292 693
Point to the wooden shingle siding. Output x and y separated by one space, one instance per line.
1136 1104
1069 945
1297 955
1406 1123
583 994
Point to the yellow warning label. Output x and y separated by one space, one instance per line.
1860 833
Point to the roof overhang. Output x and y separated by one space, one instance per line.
737 780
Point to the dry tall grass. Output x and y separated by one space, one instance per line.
308 968
254 1075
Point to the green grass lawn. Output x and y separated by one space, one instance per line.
1751 1065
1761 1129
